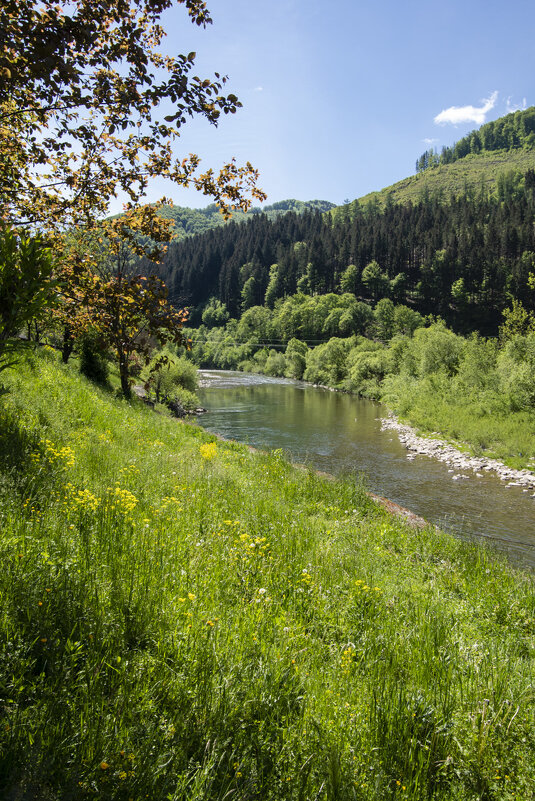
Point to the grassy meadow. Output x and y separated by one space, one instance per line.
474 171
181 618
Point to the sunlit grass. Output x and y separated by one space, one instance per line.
473 171
181 618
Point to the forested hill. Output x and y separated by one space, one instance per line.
463 258
457 239
515 131
482 158
189 222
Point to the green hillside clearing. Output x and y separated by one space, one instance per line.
472 172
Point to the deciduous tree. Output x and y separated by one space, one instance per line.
82 84
84 87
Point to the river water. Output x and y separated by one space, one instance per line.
342 434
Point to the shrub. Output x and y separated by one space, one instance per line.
366 369
477 367
433 350
326 364
296 358
516 368
275 363
167 372
183 398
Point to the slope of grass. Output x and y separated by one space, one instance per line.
184 619
471 171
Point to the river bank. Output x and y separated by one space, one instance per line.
458 460
338 433
445 451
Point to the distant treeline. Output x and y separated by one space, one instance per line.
514 131
189 222
464 258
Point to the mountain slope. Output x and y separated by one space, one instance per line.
478 161
471 172
457 239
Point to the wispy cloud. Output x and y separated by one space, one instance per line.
455 115
428 141
509 106
259 88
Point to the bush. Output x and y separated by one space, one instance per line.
275 363
296 358
166 373
477 368
434 349
516 368
183 373
183 398
326 364
366 369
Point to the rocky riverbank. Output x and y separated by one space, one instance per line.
458 461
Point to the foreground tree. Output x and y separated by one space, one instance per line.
133 315
130 311
80 87
83 90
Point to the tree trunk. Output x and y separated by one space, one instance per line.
68 344
123 372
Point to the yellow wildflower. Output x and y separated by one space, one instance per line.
208 451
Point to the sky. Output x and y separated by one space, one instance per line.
341 98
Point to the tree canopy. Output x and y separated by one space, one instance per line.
81 85
91 107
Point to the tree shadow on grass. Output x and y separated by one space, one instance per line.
17 445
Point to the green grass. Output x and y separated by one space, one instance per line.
472 171
180 621
479 423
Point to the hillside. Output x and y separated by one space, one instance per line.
462 257
471 172
184 619
477 162
457 239
189 222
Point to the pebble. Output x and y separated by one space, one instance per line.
444 452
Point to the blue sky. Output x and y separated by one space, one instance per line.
340 99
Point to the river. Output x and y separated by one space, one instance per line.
341 434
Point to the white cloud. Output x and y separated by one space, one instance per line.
427 141
259 88
509 107
459 114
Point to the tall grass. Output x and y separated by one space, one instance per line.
184 619
482 424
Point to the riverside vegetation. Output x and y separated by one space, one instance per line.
476 390
182 618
